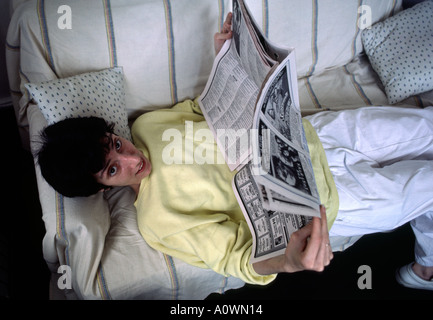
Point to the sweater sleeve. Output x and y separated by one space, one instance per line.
219 244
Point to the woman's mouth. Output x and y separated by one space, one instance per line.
141 167
144 166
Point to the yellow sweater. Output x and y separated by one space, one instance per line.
188 210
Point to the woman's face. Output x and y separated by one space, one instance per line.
125 165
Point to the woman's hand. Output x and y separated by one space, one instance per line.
308 249
225 34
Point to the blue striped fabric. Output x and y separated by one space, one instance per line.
221 17
173 276
394 7
355 83
12 48
63 236
102 284
223 285
265 18
44 34
60 222
314 54
314 23
171 52
357 31
418 101
110 33
358 88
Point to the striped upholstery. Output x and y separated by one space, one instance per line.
152 40
166 50
80 233
108 257
165 47
326 35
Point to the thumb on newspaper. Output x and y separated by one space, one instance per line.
308 248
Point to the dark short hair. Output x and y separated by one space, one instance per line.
72 151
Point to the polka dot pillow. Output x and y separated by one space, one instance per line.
99 94
400 50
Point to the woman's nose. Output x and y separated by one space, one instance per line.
129 160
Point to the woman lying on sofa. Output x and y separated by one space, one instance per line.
189 210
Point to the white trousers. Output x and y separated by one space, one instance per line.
382 162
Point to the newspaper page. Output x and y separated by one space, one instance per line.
251 104
229 98
270 229
277 190
281 158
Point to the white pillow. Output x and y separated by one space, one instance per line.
400 50
99 94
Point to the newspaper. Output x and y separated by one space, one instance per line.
271 229
251 104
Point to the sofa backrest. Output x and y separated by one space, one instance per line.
324 33
166 46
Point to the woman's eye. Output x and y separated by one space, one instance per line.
112 171
118 144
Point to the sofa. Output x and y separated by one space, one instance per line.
120 58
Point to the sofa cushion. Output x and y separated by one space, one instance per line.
97 242
400 50
99 94
326 33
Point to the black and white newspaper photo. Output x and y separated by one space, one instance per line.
271 230
279 109
282 156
